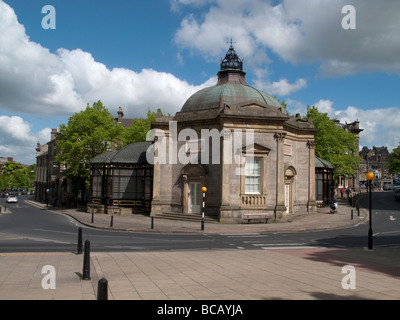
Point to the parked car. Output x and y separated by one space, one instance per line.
397 194
12 198
388 186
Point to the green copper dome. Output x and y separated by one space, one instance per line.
231 89
230 94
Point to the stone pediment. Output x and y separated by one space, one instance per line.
253 108
255 149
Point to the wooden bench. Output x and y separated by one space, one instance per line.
257 216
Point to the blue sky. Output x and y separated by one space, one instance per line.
156 53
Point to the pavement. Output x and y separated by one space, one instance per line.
305 273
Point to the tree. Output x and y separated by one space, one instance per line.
394 161
334 144
88 134
14 175
140 126
31 171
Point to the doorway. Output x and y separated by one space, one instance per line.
194 205
287 197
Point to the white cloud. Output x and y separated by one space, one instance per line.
283 87
63 83
18 141
378 124
306 31
325 106
36 82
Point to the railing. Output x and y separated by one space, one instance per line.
253 200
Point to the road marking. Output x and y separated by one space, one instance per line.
47 240
278 244
239 235
289 247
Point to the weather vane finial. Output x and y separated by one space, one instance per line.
231 42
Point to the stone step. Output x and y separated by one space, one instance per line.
185 217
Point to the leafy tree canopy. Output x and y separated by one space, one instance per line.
334 144
394 161
14 175
88 134
140 126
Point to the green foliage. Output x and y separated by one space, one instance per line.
14 175
140 126
334 144
394 161
88 134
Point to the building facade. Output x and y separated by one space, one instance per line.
375 160
241 144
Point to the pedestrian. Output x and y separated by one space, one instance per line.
53 201
342 192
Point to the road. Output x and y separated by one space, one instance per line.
30 229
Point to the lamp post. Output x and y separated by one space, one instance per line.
204 189
370 176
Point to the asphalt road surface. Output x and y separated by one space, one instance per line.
31 229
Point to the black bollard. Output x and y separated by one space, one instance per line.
86 262
102 289
112 221
351 214
92 217
152 222
80 241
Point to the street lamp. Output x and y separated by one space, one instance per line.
370 176
204 189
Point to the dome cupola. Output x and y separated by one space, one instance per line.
231 89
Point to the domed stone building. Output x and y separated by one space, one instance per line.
240 143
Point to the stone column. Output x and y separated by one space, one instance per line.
185 195
312 204
226 160
280 209
156 202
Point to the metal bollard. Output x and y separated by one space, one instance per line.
92 217
86 262
351 214
204 189
79 241
102 289
112 221
152 223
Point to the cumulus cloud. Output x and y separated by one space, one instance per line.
63 82
306 31
17 139
37 82
283 87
